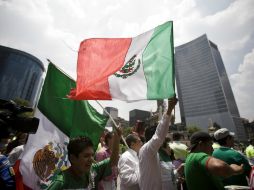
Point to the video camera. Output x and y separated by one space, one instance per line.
12 120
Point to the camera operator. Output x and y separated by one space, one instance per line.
13 119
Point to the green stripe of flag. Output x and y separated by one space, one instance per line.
158 61
74 118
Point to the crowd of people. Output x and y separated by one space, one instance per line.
152 161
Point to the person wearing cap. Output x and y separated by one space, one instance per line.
203 171
231 156
250 151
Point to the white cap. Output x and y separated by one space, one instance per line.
222 133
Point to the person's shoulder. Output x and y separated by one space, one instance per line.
236 153
216 151
197 155
126 154
198 158
58 182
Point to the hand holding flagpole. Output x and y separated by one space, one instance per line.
112 119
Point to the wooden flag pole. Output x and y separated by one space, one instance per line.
112 119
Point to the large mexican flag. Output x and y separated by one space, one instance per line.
127 68
60 119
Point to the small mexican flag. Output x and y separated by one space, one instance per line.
60 118
127 68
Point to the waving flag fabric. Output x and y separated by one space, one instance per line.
127 68
60 118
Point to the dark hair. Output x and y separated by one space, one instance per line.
223 141
107 137
11 145
198 137
250 141
77 145
131 138
166 141
149 132
176 136
140 126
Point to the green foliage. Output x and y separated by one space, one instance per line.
192 129
122 148
126 131
23 102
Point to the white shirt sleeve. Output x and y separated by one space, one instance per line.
153 145
128 171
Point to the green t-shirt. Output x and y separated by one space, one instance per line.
65 180
196 174
231 156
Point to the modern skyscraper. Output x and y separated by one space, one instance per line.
203 87
20 75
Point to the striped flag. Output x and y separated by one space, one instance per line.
127 68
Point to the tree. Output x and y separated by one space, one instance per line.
192 129
126 131
23 102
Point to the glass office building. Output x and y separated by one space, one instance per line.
20 75
203 87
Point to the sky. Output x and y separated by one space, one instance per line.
54 30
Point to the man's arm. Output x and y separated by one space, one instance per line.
115 149
156 141
220 168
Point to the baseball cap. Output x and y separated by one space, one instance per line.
199 137
222 133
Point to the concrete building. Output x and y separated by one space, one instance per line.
136 114
20 75
114 113
204 91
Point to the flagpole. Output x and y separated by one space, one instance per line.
115 125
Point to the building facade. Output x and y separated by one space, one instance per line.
114 114
203 87
136 114
20 75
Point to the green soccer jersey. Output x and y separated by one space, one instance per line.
65 180
231 156
196 174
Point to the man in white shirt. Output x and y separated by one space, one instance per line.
149 163
128 164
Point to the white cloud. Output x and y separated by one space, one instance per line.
243 88
46 28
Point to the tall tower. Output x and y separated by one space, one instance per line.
20 75
114 114
203 87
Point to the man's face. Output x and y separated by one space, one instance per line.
138 144
208 147
110 143
167 149
230 141
84 160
